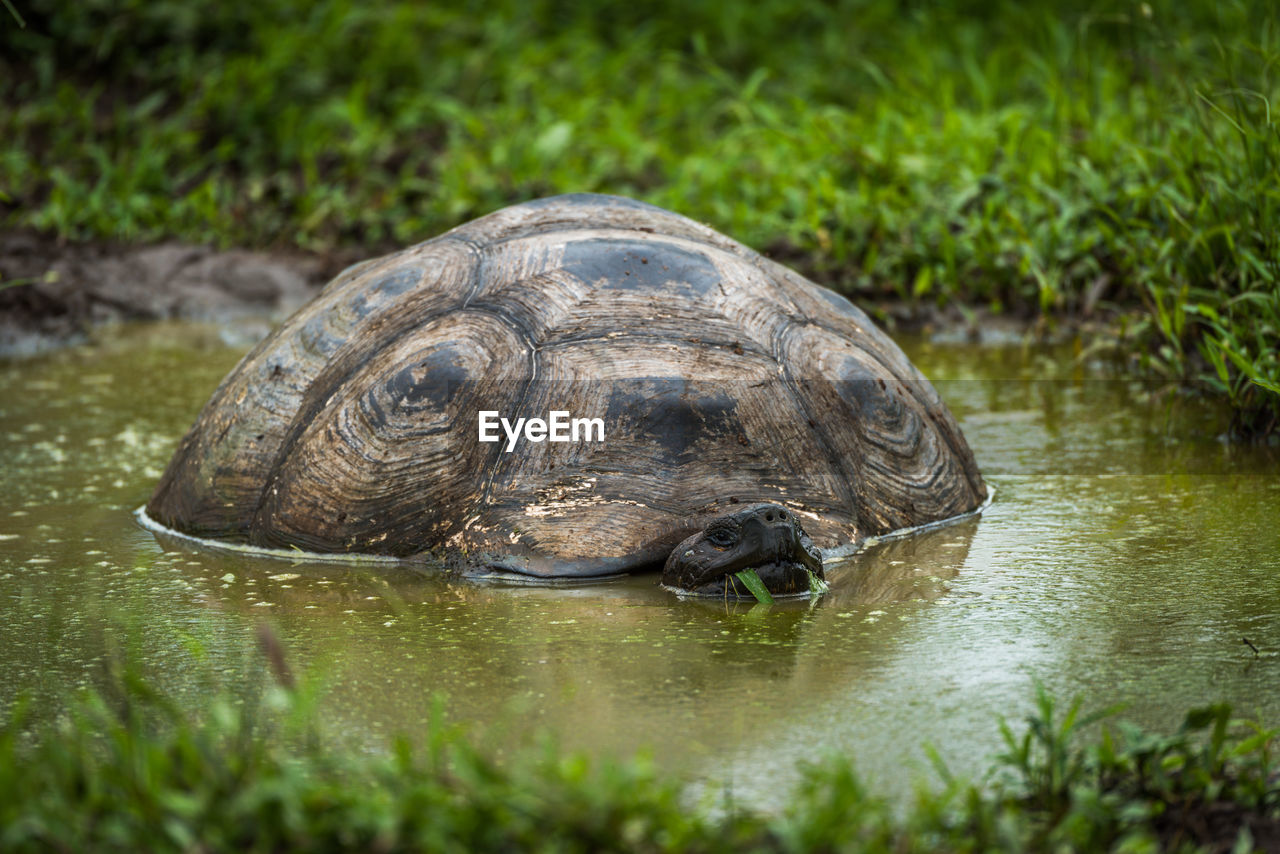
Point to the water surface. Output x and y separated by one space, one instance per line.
1127 554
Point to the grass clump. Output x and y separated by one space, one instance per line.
1041 157
140 774
1197 788
133 771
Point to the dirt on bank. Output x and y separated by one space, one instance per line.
53 294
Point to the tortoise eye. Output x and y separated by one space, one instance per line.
722 538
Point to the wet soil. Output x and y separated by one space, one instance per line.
54 293
1216 826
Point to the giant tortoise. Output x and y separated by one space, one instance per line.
688 405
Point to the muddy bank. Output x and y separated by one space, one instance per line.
54 294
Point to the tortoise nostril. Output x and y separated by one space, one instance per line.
768 517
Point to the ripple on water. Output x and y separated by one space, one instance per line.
1116 563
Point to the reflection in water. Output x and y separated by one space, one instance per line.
1126 555
915 567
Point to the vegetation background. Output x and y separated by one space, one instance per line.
1045 158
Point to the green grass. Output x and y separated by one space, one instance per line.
1039 157
129 769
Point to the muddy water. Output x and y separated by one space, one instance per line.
1127 554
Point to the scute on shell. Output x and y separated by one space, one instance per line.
722 378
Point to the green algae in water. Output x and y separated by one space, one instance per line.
1124 558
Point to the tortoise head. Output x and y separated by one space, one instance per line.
763 537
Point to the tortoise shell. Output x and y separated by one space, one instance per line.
721 377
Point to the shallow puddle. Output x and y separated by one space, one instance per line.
1126 556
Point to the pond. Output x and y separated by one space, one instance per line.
1127 554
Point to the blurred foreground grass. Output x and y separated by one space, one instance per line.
128 769
1043 157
